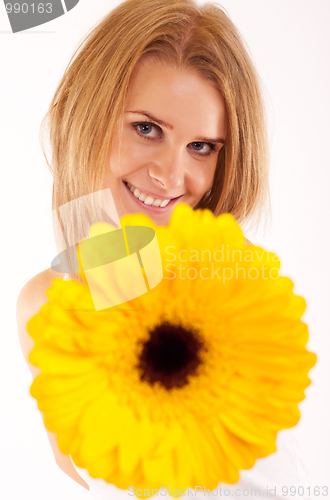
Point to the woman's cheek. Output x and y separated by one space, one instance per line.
203 176
137 155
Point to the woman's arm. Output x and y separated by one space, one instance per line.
29 302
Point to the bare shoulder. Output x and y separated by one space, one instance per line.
31 298
247 242
33 293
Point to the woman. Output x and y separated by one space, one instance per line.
161 104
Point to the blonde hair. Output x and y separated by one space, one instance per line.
89 102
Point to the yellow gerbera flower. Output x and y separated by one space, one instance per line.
186 384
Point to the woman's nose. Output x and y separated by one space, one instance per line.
168 169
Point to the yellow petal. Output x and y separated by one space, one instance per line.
160 469
103 438
130 448
246 427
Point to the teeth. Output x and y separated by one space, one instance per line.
149 200
146 199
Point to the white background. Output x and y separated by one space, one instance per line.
290 44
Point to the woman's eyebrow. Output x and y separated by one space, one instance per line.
153 118
219 140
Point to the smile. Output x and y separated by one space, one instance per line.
146 200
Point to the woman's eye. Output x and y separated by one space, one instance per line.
151 131
146 129
203 148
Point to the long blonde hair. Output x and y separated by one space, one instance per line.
89 103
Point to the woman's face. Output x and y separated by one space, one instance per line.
174 127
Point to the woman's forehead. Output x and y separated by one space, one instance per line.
174 94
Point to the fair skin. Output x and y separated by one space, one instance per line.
175 162
167 160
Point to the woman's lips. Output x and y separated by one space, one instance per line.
151 207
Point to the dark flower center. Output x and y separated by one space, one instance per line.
170 355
